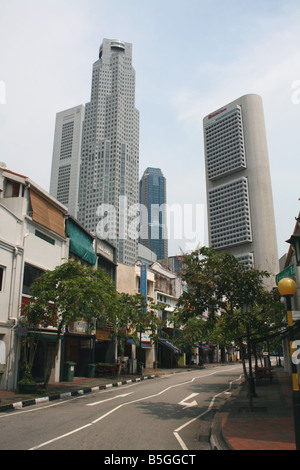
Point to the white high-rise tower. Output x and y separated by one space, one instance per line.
109 176
64 182
238 183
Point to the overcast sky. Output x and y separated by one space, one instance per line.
191 57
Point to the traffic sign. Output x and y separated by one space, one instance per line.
287 272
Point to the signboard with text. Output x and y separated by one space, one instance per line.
144 280
287 272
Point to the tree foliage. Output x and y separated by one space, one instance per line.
73 292
227 296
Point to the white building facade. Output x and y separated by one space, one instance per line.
32 239
239 192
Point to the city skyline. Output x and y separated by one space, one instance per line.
176 85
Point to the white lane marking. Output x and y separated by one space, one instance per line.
186 402
121 406
60 402
176 432
108 399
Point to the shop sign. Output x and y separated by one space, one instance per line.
79 327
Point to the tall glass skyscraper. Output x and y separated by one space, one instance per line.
239 192
109 176
153 220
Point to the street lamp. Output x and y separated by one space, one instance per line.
287 288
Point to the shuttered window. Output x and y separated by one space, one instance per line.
44 213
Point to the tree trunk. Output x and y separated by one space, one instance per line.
51 358
242 348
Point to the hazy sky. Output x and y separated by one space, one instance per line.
191 57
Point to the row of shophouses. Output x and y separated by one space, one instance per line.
37 234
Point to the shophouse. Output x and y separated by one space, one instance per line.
167 290
78 342
129 280
32 240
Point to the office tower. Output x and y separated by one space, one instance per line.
153 220
239 193
64 181
110 150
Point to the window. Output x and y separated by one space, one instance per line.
30 274
229 211
44 237
225 148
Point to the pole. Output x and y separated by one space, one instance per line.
251 378
296 391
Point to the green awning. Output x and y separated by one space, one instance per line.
81 244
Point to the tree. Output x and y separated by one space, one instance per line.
69 293
221 291
190 333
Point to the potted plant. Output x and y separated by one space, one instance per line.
27 384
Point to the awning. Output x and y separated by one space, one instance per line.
45 334
137 343
81 244
44 213
170 346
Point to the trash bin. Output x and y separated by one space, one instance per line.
140 368
91 370
69 368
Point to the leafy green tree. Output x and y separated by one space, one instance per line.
69 293
129 317
73 292
221 291
190 333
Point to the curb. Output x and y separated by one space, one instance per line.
35 401
216 439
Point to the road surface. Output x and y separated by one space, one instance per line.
171 413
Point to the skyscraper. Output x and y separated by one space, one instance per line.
64 181
153 221
238 183
110 148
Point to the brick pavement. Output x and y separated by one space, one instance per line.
270 426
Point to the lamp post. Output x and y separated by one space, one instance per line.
287 288
251 378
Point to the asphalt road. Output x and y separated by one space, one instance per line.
171 413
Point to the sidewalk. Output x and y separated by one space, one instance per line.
79 386
270 426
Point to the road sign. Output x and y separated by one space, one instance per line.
287 272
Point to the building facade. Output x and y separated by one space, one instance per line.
239 193
32 240
153 197
64 181
110 150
